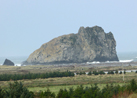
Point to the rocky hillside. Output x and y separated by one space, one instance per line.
89 44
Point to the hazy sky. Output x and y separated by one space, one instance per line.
27 24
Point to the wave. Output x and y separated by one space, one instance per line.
94 62
111 62
14 65
17 65
126 60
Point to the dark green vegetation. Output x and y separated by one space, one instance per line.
109 91
96 73
52 86
17 90
7 77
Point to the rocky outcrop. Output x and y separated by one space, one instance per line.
89 44
8 62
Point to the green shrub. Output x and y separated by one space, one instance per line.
101 72
95 72
47 94
17 90
2 93
120 72
132 87
124 72
90 73
116 71
110 72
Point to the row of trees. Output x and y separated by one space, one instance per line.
7 77
96 73
119 72
17 90
80 73
109 91
101 72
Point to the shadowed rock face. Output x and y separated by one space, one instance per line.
8 62
89 44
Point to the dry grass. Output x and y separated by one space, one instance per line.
60 68
34 69
126 94
77 80
132 95
66 82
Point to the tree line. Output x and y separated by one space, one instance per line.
7 77
101 72
96 73
17 90
109 91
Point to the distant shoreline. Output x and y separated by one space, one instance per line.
123 56
92 64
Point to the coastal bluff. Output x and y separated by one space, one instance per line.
89 44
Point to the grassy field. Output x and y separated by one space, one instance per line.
61 68
56 89
54 84
79 79
66 82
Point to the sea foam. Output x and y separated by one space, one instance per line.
17 65
126 60
94 62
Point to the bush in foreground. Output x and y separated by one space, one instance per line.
109 91
16 90
47 94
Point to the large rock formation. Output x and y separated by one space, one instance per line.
8 62
89 44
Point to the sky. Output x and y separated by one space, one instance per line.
27 24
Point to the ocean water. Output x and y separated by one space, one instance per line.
17 60
127 56
123 57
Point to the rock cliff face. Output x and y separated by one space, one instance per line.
89 44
